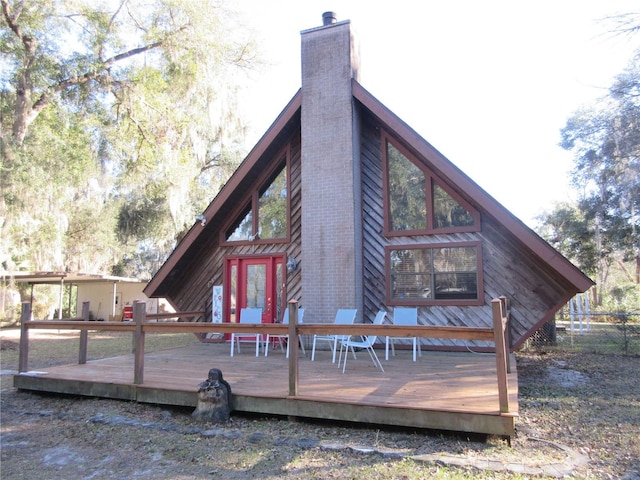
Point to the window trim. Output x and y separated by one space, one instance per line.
252 203
430 179
389 300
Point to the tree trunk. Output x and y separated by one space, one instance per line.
23 102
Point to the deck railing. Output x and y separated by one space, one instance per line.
147 323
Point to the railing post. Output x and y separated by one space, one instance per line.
139 315
84 335
293 348
501 355
23 354
504 302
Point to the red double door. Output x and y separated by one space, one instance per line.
255 282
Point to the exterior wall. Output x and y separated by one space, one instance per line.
331 250
100 296
507 269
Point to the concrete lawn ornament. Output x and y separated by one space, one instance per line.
214 399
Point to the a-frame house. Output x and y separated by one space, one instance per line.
342 205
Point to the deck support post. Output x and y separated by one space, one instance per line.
294 341
84 335
23 355
499 325
139 314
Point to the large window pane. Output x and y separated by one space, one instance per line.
407 200
272 208
447 211
411 273
434 273
455 272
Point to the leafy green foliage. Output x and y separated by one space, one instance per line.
117 126
603 228
567 229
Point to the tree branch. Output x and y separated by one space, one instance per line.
111 20
131 53
104 66
44 98
12 19
29 42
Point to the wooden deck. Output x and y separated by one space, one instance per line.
444 391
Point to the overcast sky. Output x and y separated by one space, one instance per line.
488 83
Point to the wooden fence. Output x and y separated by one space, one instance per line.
148 323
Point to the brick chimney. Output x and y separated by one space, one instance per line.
331 178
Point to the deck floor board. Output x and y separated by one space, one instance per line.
456 382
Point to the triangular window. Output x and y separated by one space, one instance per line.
447 212
417 201
265 216
242 230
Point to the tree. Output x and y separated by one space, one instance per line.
173 30
117 125
604 227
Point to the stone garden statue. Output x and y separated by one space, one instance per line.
214 399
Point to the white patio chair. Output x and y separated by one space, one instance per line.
343 316
364 342
282 338
403 316
248 315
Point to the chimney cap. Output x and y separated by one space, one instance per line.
329 18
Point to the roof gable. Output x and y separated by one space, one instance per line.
459 180
289 119
225 200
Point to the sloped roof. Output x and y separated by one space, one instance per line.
288 120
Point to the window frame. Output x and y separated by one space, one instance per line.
251 204
431 179
479 300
